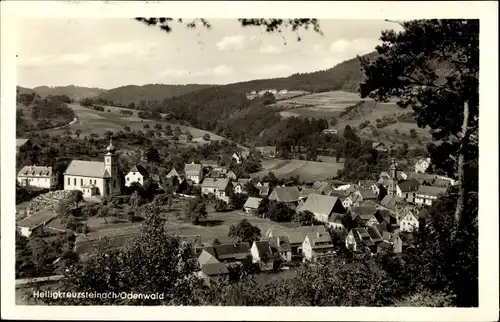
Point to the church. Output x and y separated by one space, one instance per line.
94 178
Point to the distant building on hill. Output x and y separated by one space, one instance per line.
330 131
193 172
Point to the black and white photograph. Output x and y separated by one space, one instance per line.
191 160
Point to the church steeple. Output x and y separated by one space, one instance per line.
393 169
111 148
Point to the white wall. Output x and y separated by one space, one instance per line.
98 182
132 177
307 249
41 182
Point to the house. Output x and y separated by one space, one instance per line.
358 238
370 185
35 222
23 144
442 183
321 186
175 174
393 203
391 241
409 222
379 146
262 184
210 164
211 270
137 174
280 245
330 131
263 191
423 178
323 206
221 188
295 236
37 176
267 151
335 221
425 195
193 172
365 194
406 189
231 175
230 253
239 157
94 177
366 215
252 205
262 255
289 195
317 245
305 192
422 165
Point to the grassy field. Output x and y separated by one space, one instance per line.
92 121
306 170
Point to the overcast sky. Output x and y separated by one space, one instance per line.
109 53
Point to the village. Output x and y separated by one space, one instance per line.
277 225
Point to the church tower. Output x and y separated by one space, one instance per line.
111 165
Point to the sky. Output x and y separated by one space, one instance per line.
109 53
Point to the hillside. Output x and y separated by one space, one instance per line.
73 92
123 96
24 90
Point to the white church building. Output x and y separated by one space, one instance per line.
94 177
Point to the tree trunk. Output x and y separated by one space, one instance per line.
462 193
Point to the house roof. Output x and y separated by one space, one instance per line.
214 269
226 251
285 194
192 168
21 142
374 234
139 168
35 171
319 204
208 163
369 203
252 203
266 149
38 218
280 243
366 183
421 177
320 186
95 169
336 218
206 258
409 185
443 183
367 194
362 236
363 212
392 201
263 190
384 174
215 174
320 240
175 173
430 191
423 214
263 248
296 235
243 181
218 183
231 173
305 192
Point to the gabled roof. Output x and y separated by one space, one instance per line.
374 234
305 192
228 251
192 168
430 191
367 194
409 185
362 236
320 186
208 163
336 218
422 177
366 183
443 183
264 249
365 213
139 168
319 204
296 235
215 174
175 173
320 240
266 149
279 243
392 201
214 269
252 203
285 194
39 218
21 142
206 258
35 171
243 181
218 183
82 168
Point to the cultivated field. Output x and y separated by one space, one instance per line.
92 121
306 170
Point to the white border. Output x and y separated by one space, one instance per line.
12 12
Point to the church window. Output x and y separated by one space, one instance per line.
81 182
69 182
114 183
74 181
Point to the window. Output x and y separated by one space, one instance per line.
114 183
81 182
69 182
128 178
74 181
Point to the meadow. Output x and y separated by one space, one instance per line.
308 171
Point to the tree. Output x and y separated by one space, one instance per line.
146 126
108 134
127 129
78 132
76 196
195 210
152 263
220 205
104 212
158 126
135 201
64 209
189 137
279 212
305 218
409 67
177 131
152 155
216 242
245 232
413 133
237 200
206 137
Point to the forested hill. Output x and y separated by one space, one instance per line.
71 91
123 96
